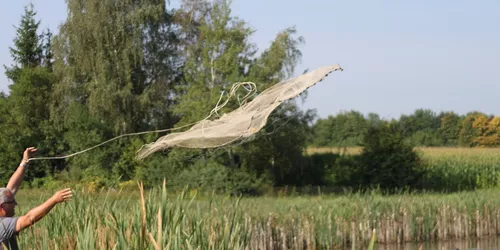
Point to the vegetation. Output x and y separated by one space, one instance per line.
162 220
112 69
422 128
441 169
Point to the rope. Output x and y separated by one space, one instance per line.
251 90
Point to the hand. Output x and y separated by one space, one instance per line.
63 195
28 153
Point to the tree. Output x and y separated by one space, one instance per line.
105 51
217 53
487 131
421 128
387 160
322 131
278 149
468 133
450 128
118 66
374 120
48 54
344 129
28 49
25 110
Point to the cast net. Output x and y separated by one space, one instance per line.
242 122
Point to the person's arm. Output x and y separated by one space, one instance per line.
17 177
39 212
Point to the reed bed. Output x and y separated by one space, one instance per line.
156 219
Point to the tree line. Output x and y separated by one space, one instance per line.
116 67
422 128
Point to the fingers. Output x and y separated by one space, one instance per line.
65 194
67 197
66 190
31 149
28 152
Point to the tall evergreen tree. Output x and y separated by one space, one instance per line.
28 47
25 110
48 54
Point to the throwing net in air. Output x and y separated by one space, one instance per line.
241 123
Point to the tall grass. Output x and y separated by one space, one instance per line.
158 220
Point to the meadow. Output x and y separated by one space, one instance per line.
195 219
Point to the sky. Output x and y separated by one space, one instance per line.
397 56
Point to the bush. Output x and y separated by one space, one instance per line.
387 161
210 176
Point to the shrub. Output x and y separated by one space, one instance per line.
387 161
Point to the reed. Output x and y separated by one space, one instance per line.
157 219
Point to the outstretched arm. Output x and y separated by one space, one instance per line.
17 177
39 212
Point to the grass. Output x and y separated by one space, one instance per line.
158 220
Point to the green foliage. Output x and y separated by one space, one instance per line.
125 168
216 53
86 132
450 128
341 171
386 161
48 54
212 176
28 48
422 128
426 137
118 64
344 129
103 53
25 111
277 151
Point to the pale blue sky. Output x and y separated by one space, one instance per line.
398 55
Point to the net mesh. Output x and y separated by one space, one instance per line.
242 122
